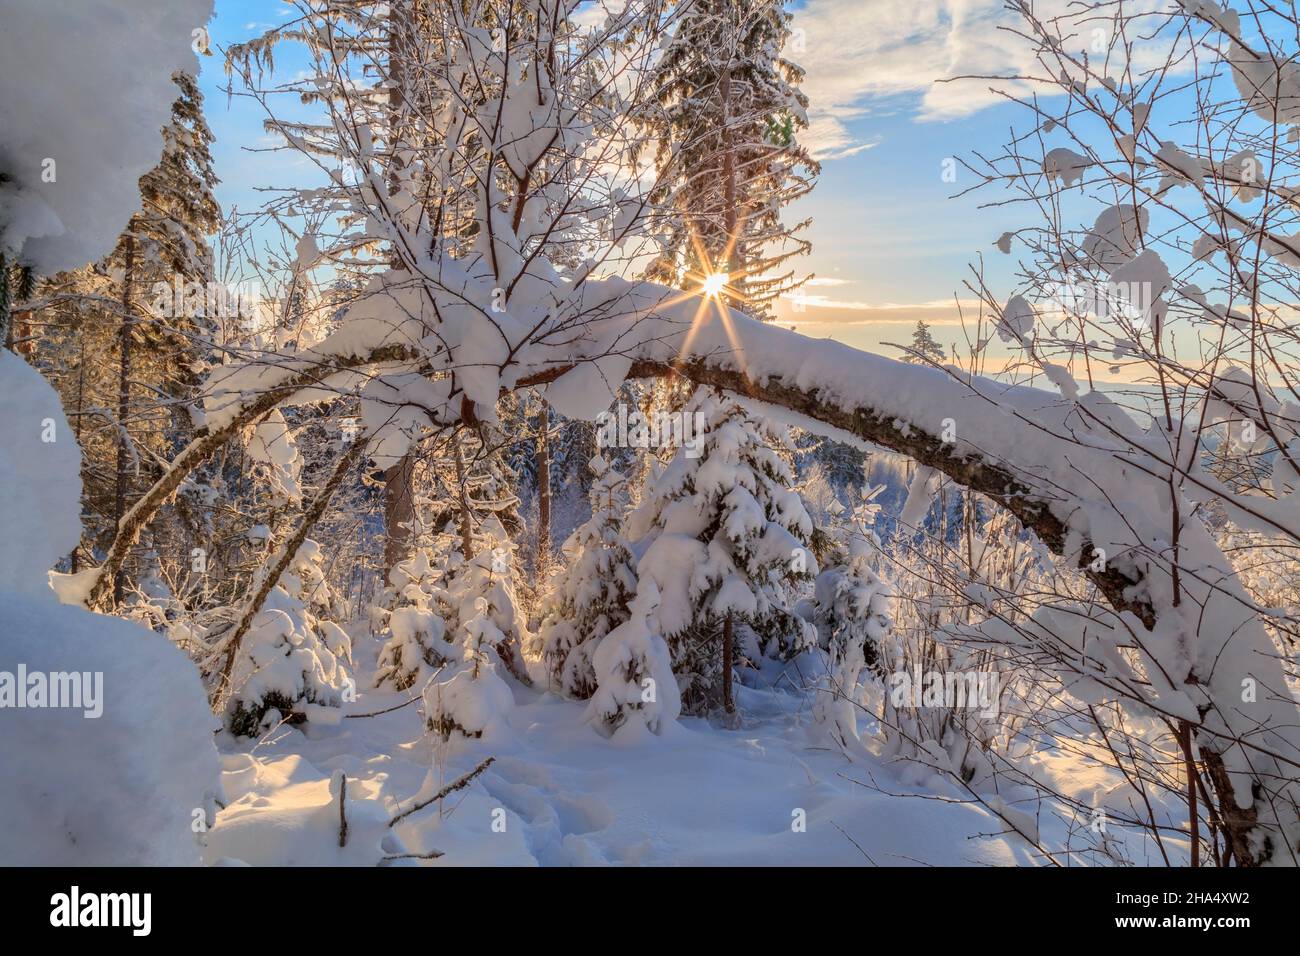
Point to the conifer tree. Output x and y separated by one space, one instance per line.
126 340
728 114
924 348
729 541
591 595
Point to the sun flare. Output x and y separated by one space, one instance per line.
715 283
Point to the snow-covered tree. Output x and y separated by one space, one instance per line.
635 687
852 610
924 348
590 597
127 339
488 631
728 544
415 645
294 658
729 110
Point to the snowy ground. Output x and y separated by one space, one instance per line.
560 794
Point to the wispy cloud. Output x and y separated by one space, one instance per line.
858 53
824 311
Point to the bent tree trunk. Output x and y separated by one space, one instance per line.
867 397
205 444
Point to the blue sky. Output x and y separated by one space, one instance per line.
889 244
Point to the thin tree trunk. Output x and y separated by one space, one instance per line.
1193 821
462 491
728 704
75 558
123 410
399 502
544 490
728 172
290 548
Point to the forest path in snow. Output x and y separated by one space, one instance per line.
558 793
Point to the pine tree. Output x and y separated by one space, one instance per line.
634 675
729 109
729 543
485 625
413 619
591 597
924 349
128 338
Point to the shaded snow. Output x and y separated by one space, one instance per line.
697 794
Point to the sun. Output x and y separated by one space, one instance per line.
715 283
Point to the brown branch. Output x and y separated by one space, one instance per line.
287 553
452 787
205 445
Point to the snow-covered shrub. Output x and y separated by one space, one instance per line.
414 623
481 601
483 638
635 685
852 608
292 656
592 593
728 538
141 739
469 696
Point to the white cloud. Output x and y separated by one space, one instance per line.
854 52
852 312
857 52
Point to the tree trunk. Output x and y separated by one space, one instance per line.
462 493
1193 818
75 558
543 491
221 691
728 173
123 410
728 704
399 511
204 445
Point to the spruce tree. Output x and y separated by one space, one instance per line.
127 340
924 348
728 114
591 596
729 542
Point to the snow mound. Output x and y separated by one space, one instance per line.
87 88
140 737
129 788
40 468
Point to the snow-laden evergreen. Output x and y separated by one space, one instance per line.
413 621
592 593
635 686
725 538
294 661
